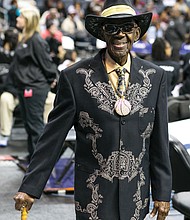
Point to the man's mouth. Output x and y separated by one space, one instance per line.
119 44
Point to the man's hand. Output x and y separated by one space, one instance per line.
23 200
160 208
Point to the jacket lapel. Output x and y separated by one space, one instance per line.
135 77
100 74
99 71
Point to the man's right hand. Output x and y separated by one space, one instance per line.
23 200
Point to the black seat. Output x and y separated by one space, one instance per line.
180 163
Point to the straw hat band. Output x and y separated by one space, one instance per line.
118 9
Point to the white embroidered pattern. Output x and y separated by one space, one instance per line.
100 91
105 95
137 93
120 164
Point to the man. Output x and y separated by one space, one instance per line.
72 25
121 132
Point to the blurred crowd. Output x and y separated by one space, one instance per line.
167 42
62 24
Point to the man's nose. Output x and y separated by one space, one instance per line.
119 32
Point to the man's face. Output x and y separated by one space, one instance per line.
119 39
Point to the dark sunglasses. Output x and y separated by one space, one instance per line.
114 28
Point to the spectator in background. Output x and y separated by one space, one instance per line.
79 10
54 38
94 7
73 26
33 73
8 99
176 32
155 29
13 13
185 49
161 56
8 103
56 50
10 41
151 6
52 31
47 5
164 18
182 6
69 59
139 6
51 14
185 60
185 86
70 56
60 5
142 48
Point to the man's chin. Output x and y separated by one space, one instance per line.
120 57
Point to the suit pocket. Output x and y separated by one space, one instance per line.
146 118
83 168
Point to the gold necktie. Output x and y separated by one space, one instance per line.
121 88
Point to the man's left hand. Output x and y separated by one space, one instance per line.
160 208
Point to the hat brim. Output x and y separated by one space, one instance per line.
94 23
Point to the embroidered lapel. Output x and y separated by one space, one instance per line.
97 84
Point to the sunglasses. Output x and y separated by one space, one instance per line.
114 28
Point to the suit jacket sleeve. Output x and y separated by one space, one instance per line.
50 144
160 169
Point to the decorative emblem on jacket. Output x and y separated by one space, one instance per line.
120 164
100 91
137 93
105 96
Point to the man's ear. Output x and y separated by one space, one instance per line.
137 34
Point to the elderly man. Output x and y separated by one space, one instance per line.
118 106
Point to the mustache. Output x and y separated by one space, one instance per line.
118 37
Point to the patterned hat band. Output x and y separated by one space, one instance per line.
118 9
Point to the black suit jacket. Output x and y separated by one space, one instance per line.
116 157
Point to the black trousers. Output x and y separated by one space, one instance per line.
32 109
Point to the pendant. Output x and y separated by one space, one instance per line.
122 107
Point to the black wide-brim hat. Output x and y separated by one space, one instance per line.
116 12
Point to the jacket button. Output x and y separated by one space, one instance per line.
123 122
121 172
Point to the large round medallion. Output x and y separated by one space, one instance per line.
122 107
